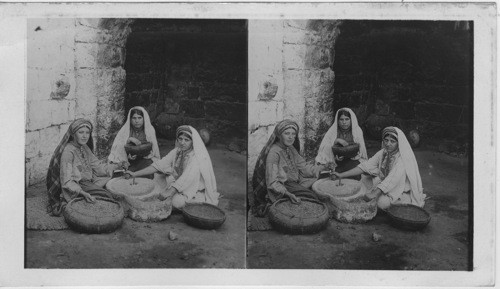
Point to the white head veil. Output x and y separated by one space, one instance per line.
205 163
325 154
411 168
118 153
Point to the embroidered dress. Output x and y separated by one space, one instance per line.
395 174
74 168
189 172
285 164
279 170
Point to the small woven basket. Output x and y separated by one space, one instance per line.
408 217
141 150
203 215
349 151
295 223
103 216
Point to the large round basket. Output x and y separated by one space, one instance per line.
349 151
307 217
408 217
203 215
103 216
141 150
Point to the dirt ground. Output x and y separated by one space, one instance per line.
443 245
146 245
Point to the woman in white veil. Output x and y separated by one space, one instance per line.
187 171
137 130
344 131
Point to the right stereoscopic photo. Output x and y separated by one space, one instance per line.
360 145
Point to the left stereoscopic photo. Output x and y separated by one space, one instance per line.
136 143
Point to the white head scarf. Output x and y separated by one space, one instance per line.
118 153
325 154
411 167
203 160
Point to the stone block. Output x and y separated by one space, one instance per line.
300 24
294 56
49 139
193 108
39 114
86 106
86 83
86 55
292 35
382 108
38 85
317 57
90 22
226 110
403 109
193 92
110 56
59 112
32 144
438 112
294 82
264 113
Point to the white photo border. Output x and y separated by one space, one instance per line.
13 25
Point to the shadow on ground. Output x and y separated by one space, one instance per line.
442 245
146 245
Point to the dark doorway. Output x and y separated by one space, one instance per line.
189 71
413 74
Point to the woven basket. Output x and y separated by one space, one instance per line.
141 150
408 217
286 222
203 215
103 216
349 151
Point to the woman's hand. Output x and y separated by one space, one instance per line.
339 158
335 175
170 192
134 141
293 198
375 193
341 142
88 197
128 174
150 156
132 157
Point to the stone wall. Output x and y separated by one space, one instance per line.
290 76
413 74
75 69
189 72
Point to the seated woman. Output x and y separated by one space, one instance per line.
74 170
394 170
280 171
136 130
189 173
344 131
